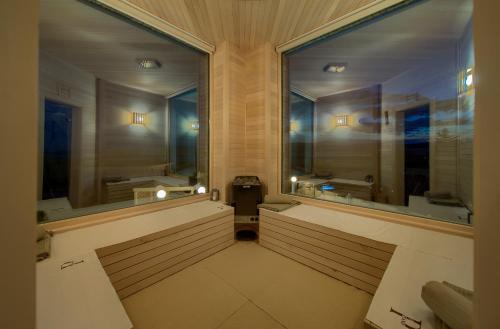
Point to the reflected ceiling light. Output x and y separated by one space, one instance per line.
335 67
201 190
293 179
161 194
138 118
195 125
148 63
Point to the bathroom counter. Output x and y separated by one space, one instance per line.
81 296
420 256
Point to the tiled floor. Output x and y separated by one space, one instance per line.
247 286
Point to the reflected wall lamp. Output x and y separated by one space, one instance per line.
342 120
138 118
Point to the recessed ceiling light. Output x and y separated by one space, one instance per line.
148 63
335 67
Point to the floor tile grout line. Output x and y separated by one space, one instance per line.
230 315
270 315
242 294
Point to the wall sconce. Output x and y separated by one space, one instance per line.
195 125
342 121
466 80
294 126
138 118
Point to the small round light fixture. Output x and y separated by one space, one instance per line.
293 179
161 194
201 190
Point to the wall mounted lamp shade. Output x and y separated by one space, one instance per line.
138 118
195 125
342 120
335 67
148 63
466 80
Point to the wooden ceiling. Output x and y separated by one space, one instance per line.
247 23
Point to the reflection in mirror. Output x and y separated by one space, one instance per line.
381 115
123 113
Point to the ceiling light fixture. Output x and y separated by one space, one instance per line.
148 63
335 67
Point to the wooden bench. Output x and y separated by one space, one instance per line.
353 259
388 260
113 260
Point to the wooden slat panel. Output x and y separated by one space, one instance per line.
356 260
142 248
135 264
177 256
105 251
320 267
268 231
387 247
322 260
289 225
362 258
171 270
142 262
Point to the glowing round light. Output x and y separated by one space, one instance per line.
469 80
201 190
161 194
293 179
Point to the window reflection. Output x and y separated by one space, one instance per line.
393 107
123 113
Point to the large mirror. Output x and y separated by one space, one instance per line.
123 113
380 114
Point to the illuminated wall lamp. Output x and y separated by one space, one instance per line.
342 121
294 126
138 118
195 125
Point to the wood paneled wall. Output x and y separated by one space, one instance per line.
352 151
18 142
124 149
65 83
244 116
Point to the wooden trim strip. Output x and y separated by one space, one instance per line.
345 261
123 293
353 16
109 216
105 251
323 236
319 267
147 246
157 23
392 217
341 251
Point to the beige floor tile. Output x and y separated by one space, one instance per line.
193 298
250 317
294 294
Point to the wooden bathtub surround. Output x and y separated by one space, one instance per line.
138 263
356 260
